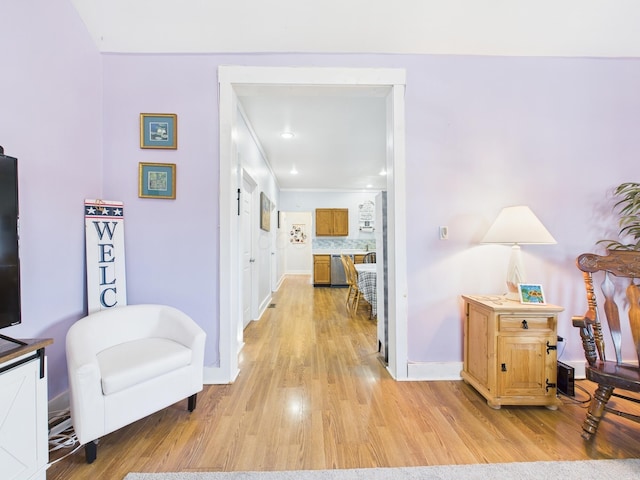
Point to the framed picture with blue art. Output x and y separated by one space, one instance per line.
157 180
531 293
159 130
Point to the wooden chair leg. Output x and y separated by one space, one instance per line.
91 451
192 402
349 294
596 409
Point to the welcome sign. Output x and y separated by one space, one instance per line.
104 237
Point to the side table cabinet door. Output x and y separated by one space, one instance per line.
23 430
526 366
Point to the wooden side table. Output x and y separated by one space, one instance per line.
510 350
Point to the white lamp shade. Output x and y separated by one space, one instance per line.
517 225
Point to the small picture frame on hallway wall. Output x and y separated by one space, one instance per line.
265 212
531 293
157 180
159 130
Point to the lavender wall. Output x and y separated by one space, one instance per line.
171 245
482 133
51 104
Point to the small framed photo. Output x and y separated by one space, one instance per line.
157 180
531 293
265 212
159 130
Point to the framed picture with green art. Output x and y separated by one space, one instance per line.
531 293
159 130
157 180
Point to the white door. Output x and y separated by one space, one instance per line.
248 259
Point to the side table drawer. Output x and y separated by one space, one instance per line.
522 323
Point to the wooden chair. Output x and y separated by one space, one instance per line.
610 374
353 294
347 276
369 258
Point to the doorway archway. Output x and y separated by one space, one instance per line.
230 282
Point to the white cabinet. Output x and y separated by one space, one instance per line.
24 450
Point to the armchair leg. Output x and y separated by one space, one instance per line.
192 402
91 451
596 409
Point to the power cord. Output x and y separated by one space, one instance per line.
67 438
58 416
570 400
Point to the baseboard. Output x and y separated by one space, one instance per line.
423 371
431 371
434 371
578 367
216 376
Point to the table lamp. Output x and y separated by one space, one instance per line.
516 226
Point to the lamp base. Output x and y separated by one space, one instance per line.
513 296
515 273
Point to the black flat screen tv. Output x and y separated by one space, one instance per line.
9 256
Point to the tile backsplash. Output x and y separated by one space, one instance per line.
343 244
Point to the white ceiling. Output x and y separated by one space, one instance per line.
339 138
339 142
606 28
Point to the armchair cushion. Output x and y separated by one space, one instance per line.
137 361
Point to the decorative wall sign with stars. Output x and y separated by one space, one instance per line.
102 210
104 237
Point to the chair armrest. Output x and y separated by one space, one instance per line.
86 401
579 321
584 323
178 326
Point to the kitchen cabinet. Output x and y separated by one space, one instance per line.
332 222
322 270
510 350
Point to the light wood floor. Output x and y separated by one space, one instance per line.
312 394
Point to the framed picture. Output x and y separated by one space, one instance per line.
159 130
265 212
531 293
157 180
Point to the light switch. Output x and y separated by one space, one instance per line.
444 233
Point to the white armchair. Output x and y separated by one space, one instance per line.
128 362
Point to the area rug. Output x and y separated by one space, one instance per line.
576 470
